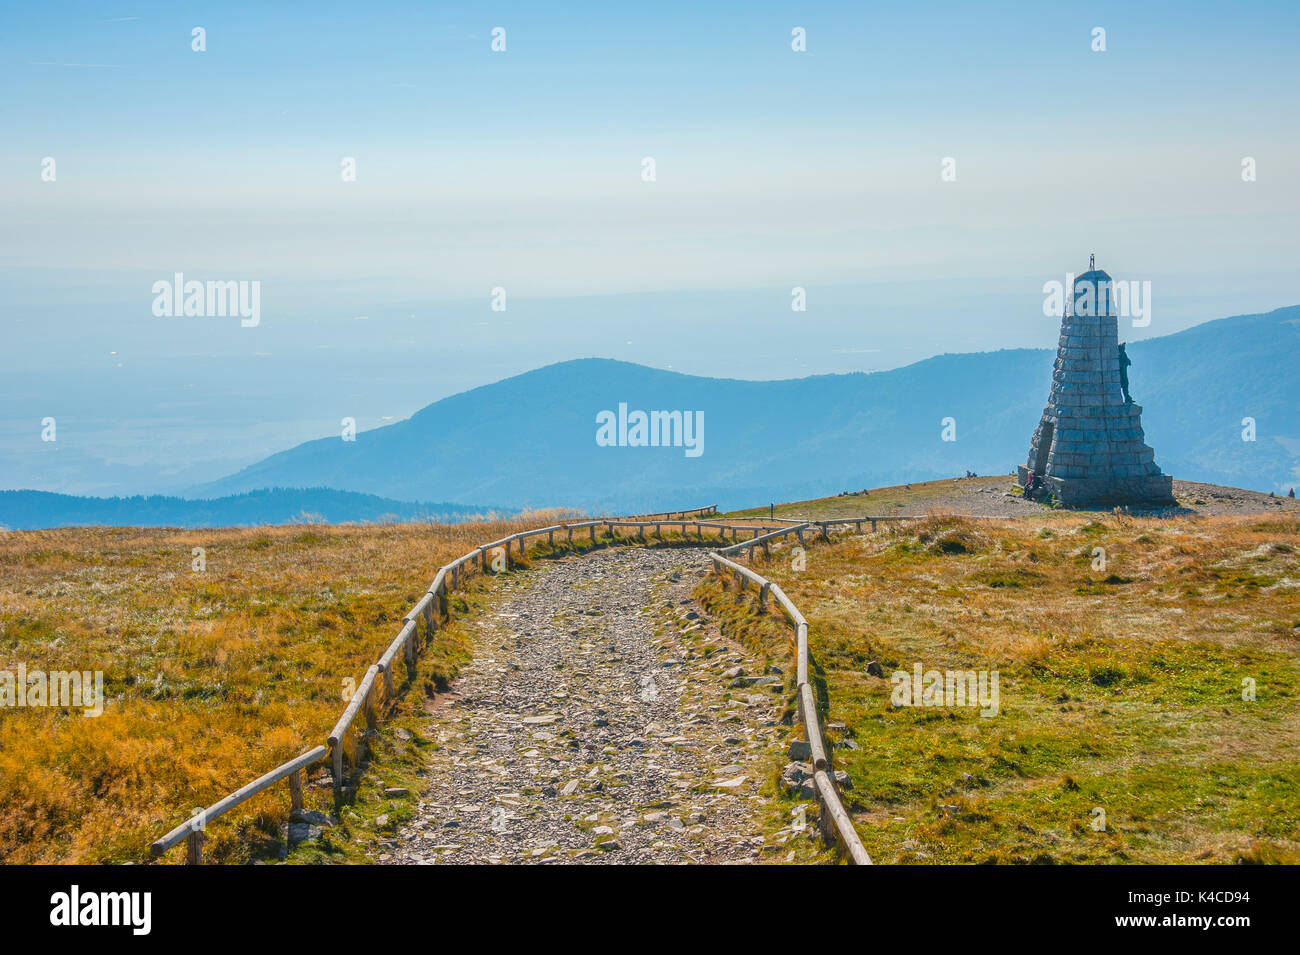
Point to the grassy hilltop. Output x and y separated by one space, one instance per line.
1121 688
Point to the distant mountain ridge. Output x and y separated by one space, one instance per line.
28 510
530 440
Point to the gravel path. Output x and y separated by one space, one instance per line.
600 721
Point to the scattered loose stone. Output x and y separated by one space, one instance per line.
300 832
313 817
797 779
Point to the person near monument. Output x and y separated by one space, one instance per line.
1034 487
1124 362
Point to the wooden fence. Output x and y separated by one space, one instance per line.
432 609
669 515
836 826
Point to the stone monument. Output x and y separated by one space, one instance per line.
1088 449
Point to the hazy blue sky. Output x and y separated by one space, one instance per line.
522 170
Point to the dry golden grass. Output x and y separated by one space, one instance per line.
1120 688
212 678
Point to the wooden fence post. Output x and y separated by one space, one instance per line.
825 824
408 652
194 848
295 790
372 721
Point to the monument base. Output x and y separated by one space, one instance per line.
1148 490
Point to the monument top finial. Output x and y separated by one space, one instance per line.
1092 261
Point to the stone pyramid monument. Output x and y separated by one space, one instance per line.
1088 449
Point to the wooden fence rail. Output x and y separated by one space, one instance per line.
689 512
432 609
192 829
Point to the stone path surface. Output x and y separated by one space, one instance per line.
602 720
